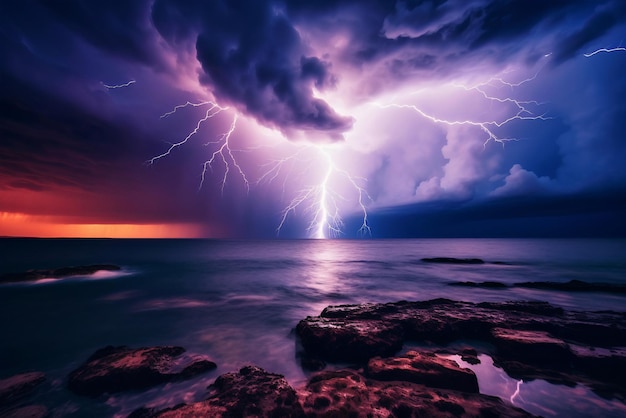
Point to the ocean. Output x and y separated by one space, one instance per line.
238 302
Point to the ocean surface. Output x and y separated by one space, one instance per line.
238 302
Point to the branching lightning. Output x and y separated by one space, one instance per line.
118 86
315 167
321 199
224 151
521 110
605 50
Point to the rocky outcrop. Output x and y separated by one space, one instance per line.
530 339
33 275
347 393
116 369
251 392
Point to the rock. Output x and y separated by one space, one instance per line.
470 356
425 368
355 341
450 260
252 392
33 275
116 369
575 286
30 411
17 387
346 393
529 339
486 285
535 347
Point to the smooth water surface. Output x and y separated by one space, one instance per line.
238 301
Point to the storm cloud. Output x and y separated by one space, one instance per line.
412 95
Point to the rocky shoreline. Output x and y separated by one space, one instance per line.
528 340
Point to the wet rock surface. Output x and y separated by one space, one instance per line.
15 388
33 275
15 392
347 393
251 392
423 368
117 369
529 339
31 411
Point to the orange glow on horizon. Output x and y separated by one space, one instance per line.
15 224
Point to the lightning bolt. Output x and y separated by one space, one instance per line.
224 151
118 86
516 393
322 200
521 109
605 50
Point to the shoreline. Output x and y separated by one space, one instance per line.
527 340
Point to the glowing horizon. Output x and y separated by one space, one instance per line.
26 226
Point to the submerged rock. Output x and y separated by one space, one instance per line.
451 260
33 275
486 285
117 369
15 388
575 286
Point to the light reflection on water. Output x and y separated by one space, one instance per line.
238 301
539 396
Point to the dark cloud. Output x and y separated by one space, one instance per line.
122 28
63 133
594 214
254 58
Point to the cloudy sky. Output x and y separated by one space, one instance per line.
320 118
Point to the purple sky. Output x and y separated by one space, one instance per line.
431 118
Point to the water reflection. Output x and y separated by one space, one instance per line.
325 269
538 396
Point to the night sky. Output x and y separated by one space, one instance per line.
313 118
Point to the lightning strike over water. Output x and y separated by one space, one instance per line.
322 200
118 86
